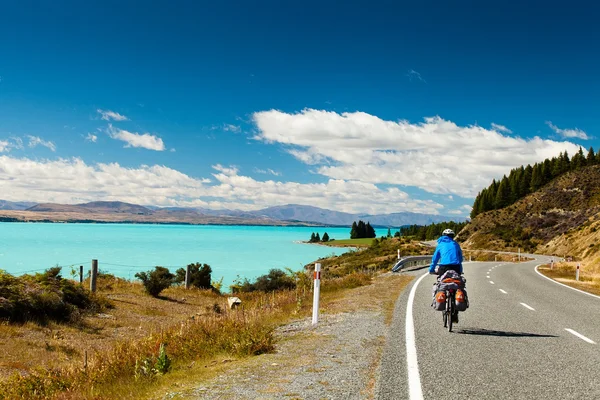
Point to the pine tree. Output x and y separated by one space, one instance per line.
503 195
312 238
558 165
362 232
566 162
525 183
389 234
476 206
591 157
354 231
317 237
513 180
325 237
536 178
370 232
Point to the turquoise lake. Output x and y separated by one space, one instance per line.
124 249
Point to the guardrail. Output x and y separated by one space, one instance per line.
411 261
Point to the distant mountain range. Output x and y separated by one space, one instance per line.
115 211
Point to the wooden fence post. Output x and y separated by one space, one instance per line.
93 275
80 274
187 276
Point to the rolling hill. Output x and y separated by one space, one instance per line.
563 217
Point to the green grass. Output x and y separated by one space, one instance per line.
351 242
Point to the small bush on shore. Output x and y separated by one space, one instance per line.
276 279
156 281
200 275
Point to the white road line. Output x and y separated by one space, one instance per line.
580 336
492 282
488 277
562 284
529 307
414 379
503 291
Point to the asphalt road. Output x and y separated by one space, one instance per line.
523 337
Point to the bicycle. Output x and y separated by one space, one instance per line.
448 313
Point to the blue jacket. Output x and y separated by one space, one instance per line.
447 252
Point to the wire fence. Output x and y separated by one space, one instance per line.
66 266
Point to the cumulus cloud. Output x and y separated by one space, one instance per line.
436 155
91 138
4 146
108 115
568 133
74 181
35 141
500 128
145 140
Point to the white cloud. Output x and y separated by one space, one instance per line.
17 143
145 140
4 146
500 128
568 133
37 141
267 171
111 115
463 210
436 155
450 197
232 128
91 138
414 75
74 181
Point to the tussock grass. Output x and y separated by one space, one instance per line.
129 368
589 275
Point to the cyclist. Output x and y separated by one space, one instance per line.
448 255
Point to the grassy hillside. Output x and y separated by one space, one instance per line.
558 218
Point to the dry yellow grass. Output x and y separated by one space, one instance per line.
589 276
194 324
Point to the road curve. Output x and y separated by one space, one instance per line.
524 337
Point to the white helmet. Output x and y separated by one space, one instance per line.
448 232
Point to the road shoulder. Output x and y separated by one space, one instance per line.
338 358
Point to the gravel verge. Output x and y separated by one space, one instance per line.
336 359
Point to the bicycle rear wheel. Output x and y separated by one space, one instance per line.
450 311
445 317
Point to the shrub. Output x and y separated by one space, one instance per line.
200 275
44 297
276 279
156 281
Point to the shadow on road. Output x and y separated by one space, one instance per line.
487 332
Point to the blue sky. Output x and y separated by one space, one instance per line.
366 106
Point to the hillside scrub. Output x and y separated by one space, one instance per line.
525 180
45 297
564 206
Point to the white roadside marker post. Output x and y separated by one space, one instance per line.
519 254
577 273
552 263
315 315
398 254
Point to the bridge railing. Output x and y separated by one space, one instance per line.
411 261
